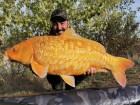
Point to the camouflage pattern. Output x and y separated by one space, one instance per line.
112 96
59 13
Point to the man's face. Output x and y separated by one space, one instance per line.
59 26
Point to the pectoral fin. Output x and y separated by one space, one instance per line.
70 80
39 69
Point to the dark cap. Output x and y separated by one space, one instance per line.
59 13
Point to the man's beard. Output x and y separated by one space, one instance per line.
58 32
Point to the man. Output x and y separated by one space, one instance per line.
60 23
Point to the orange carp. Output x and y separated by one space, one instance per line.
67 55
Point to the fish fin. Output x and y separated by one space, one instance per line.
70 33
39 69
99 46
119 70
120 78
70 80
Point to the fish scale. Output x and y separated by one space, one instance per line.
67 51
68 55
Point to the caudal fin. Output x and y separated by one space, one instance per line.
119 68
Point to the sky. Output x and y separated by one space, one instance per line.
135 7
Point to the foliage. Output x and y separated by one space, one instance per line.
23 18
121 37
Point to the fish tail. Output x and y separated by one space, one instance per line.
119 68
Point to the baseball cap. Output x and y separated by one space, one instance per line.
59 13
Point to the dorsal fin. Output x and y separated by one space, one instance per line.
70 33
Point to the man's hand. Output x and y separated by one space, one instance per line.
90 71
94 70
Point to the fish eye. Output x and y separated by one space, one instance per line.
14 49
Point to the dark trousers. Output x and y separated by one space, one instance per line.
58 84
